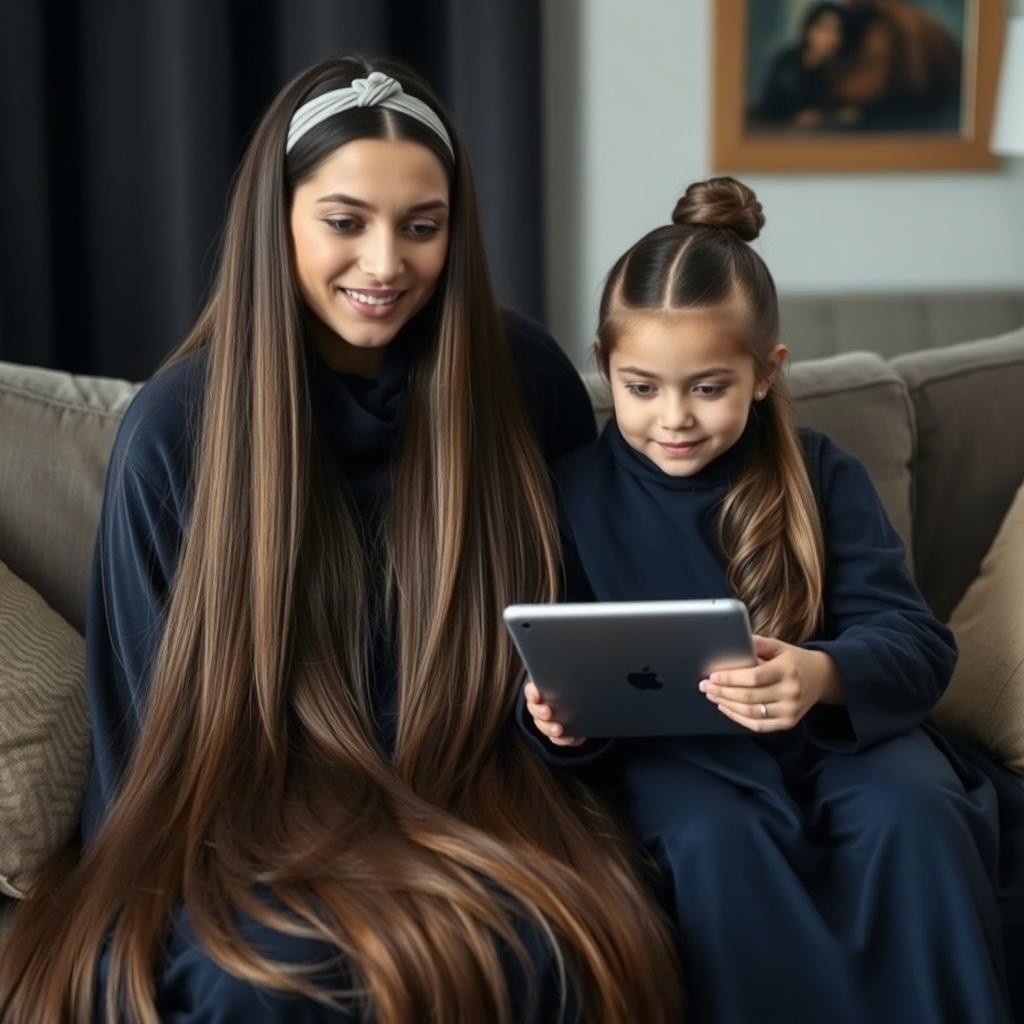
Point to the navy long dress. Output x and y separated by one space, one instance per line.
145 512
857 868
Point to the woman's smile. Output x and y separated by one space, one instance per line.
373 303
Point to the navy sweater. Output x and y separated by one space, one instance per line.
147 501
632 532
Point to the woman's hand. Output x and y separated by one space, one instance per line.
777 692
544 718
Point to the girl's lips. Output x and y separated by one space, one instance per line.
381 304
680 450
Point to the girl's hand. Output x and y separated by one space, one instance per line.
777 692
544 718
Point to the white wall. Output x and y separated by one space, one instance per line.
627 91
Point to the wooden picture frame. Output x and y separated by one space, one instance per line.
737 146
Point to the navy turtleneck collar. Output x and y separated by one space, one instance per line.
720 471
363 416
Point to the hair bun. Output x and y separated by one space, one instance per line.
721 203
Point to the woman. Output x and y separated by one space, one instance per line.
306 801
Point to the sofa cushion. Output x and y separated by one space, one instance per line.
860 402
44 732
969 409
56 431
985 700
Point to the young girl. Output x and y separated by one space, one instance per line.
306 803
839 863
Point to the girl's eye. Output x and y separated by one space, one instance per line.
423 229
341 225
709 390
640 390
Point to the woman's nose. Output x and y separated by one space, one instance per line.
380 257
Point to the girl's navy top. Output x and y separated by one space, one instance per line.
633 533
147 502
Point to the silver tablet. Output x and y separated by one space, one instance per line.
631 668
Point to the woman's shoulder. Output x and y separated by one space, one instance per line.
533 348
586 469
157 433
556 400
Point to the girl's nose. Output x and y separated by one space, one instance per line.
677 415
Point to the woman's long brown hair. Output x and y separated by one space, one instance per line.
769 524
258 770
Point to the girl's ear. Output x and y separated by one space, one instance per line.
776 358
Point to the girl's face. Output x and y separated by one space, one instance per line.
682 384
370 238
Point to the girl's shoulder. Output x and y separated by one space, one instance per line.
157 433
829 466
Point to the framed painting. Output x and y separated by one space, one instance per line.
855 85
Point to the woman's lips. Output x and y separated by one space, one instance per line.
681 450
374 304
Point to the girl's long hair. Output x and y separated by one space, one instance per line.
258 785
769 523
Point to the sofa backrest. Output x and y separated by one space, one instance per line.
56 431
894 323
941 433
860 401
969 458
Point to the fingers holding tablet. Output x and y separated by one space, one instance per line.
543 716
775 694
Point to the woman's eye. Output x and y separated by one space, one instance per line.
709 390
341 225
640 390
423 229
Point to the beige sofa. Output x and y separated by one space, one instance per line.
941 432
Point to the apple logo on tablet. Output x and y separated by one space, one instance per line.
645 679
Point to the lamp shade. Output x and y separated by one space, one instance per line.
1008 132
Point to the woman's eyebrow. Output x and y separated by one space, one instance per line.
340 197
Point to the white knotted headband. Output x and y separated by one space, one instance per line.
376 90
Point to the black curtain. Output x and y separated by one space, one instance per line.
122 122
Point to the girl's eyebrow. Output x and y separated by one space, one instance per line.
712 371
339 197
635 371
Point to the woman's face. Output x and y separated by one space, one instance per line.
824 36
369 238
